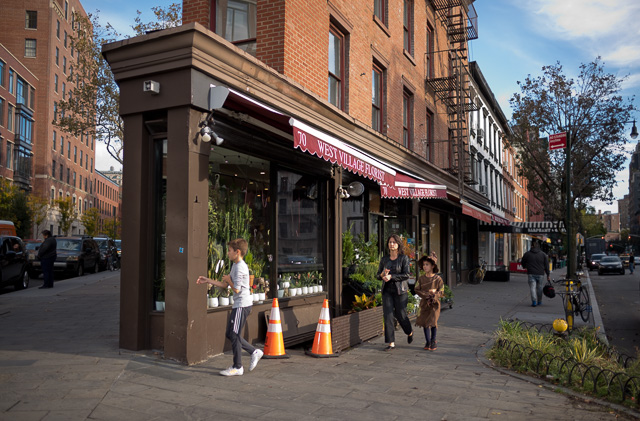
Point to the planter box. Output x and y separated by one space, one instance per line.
497 276
352 329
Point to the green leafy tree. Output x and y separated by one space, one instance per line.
14 207
111 227
39 207
592 112
92 106
590 224
68 213
91 220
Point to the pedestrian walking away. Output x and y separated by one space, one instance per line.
631 263
429 288
238 280
47 255
536 262
393 270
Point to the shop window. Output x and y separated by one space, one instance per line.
300 238
235 21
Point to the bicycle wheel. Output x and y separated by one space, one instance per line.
585 304
568 311
475 276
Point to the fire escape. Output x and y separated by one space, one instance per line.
459 19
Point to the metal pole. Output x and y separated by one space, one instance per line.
570 254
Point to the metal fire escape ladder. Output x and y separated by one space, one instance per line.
459 19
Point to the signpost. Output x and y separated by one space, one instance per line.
558 141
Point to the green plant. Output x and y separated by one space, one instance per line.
448 294
583 352
363 303
348 250
366 251
224 292
213 292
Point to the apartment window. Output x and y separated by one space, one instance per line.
61 145
55 83
429 56
1 112
407 118
31 19
74 179
65 39
11 81
22 91
2 64
29 47
61 172
86 161
68 175
429 135
80 158
235 21
336 67
10 117
377 95
58 29
55 110
64 65
55 139
53 169
66 10
380 10
57 56
407 26
80 181
69 149
75 154
64 90
9 155
91 167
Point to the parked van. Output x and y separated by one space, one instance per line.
7 228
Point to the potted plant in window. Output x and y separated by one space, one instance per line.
225 293
214 293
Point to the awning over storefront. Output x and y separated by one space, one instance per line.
500 220
475 212
406 187
315 142
540 227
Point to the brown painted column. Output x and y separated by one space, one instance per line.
137 271
186 243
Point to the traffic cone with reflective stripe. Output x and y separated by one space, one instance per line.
322 347
274 344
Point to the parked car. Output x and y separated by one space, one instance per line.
118 244
76 255
13 263
108 253
594 260
625 260
31 246
610 264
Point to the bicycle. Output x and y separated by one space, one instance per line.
575 300
476 276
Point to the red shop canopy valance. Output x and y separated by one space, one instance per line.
406 187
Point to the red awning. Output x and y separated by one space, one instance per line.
500 220
406 187
469 209
315 142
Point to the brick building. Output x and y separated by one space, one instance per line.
38 33
17 109
107 201
301 120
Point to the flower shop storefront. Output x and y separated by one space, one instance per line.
205 165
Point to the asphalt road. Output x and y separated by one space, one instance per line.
619 303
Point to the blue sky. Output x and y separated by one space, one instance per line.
516 38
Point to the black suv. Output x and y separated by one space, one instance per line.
13 263
76 255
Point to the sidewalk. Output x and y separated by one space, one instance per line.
59 359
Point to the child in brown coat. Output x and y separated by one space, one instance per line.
429 288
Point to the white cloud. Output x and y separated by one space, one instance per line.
104 161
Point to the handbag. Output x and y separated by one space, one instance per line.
402 287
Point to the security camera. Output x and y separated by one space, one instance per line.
151 86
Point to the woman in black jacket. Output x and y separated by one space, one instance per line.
394 272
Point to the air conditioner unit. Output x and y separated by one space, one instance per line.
480 134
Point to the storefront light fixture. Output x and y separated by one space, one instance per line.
206 130
354 189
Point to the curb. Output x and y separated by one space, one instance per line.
595 310
481 357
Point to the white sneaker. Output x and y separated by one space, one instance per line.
231 371
255 357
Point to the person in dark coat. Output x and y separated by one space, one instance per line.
536 262
47 255
394 272
430 288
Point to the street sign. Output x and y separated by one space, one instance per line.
557 141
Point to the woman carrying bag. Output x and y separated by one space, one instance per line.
394 272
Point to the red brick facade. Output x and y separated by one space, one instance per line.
292 38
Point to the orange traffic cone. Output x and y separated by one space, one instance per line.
274 344
322 342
